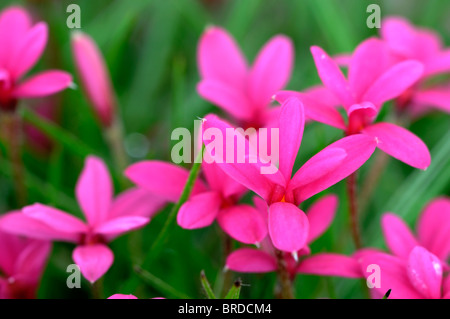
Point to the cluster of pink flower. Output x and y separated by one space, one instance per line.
393 67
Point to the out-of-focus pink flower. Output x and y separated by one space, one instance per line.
122 296
218 199
22 262
288 225
242 91
25 44
107 218
94 76
433 229
419 276
370 83
320 216
415 270
409 42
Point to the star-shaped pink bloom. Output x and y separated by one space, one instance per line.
409 42
242 91
416 268
320 215
368 86
433 229
25 44
288 225
420 276
22 262
106 219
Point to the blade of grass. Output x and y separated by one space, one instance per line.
235 290
165 231
241 16
335 27
57 134
207 286
159 284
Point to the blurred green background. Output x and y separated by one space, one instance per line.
150 49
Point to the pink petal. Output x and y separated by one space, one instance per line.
135 202
163 179
393 82
331 76
220 59
55 218
14 24
121 296
271 70
400 35
94 190
218 180
368 61
199 211
331 165
291 124
20 224
398 236
33 259
330 265
251 260
434 227
343 60
439 63
43 84
425 272
226 97
94 76
438 98
11 246
244 223
30 50
400 143
94 260
320 216
360 116
120 225
246 173
288 227
314 109
393 275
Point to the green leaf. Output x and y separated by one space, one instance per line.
235 290
159 284
163 235
57 133
206 286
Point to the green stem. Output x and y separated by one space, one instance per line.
353 209
207 286
158 284
12 134
162 236
115 140
287 291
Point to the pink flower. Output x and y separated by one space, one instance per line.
217 200
416 268
25 43
288 225
106 219
227 81
22 263
420 276
122 296
320 216
94 76
408 42
433 229
369 85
